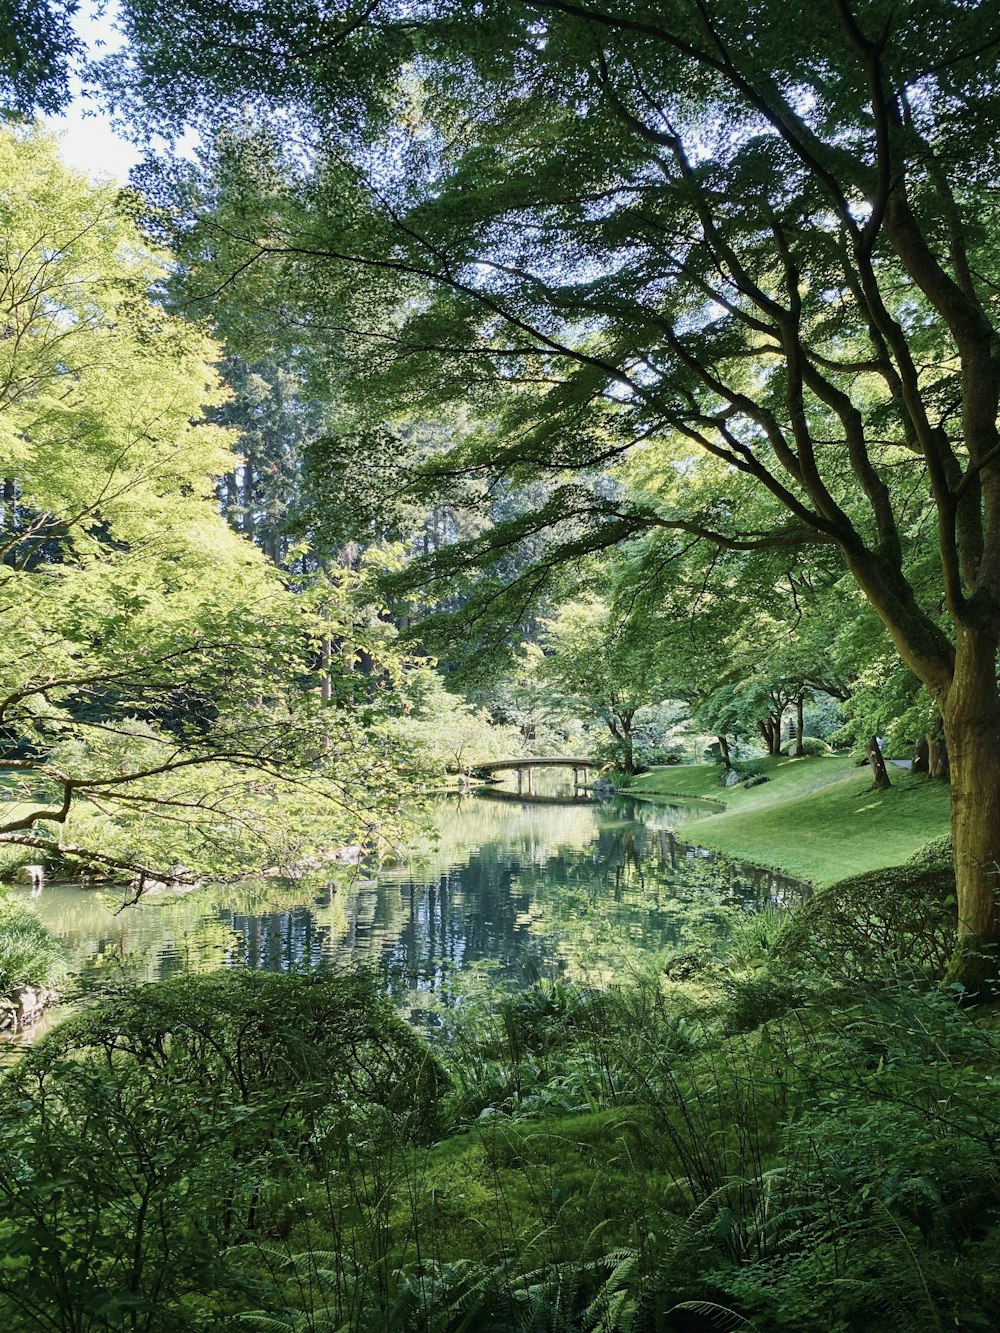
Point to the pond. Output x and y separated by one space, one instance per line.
566 887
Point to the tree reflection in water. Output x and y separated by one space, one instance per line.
587 890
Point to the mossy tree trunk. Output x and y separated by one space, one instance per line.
724 752
880 774
971 714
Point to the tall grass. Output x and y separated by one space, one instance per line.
29 953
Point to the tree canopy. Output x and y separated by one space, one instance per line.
154 695
763 232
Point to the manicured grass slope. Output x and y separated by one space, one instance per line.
816 818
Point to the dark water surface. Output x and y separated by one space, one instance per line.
517 889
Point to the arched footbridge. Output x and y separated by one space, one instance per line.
525 769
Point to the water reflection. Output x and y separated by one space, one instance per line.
587 889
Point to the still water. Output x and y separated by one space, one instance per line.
507 888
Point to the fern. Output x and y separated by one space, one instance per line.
721 1315
264 1322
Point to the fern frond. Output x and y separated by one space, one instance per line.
721 1314
264 1322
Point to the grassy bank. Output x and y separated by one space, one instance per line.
816 819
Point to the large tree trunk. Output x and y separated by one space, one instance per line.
938 765
880 774
724 751
799 726
972 723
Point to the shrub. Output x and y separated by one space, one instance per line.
13 859
186 1118
901 916
937 854
29 952
811 746
743 768
333 1042
758 997
653 757
544 1016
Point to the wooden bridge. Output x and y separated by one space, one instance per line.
525 769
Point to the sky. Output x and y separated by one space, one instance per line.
87 141
84 130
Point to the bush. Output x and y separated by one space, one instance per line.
333 1043
903 916
654 758
749 772
186 1121
544 1016
758 997
938 853
30 955
13 859
811 746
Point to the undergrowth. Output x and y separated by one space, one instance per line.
815 1149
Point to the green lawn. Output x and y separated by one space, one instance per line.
816 819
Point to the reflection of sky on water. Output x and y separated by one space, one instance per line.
588 890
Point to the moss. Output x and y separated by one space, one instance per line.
975 966
541 1186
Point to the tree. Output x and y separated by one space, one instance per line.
151 706
744 636
764 229
446 733
37 47
261 492
590 662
